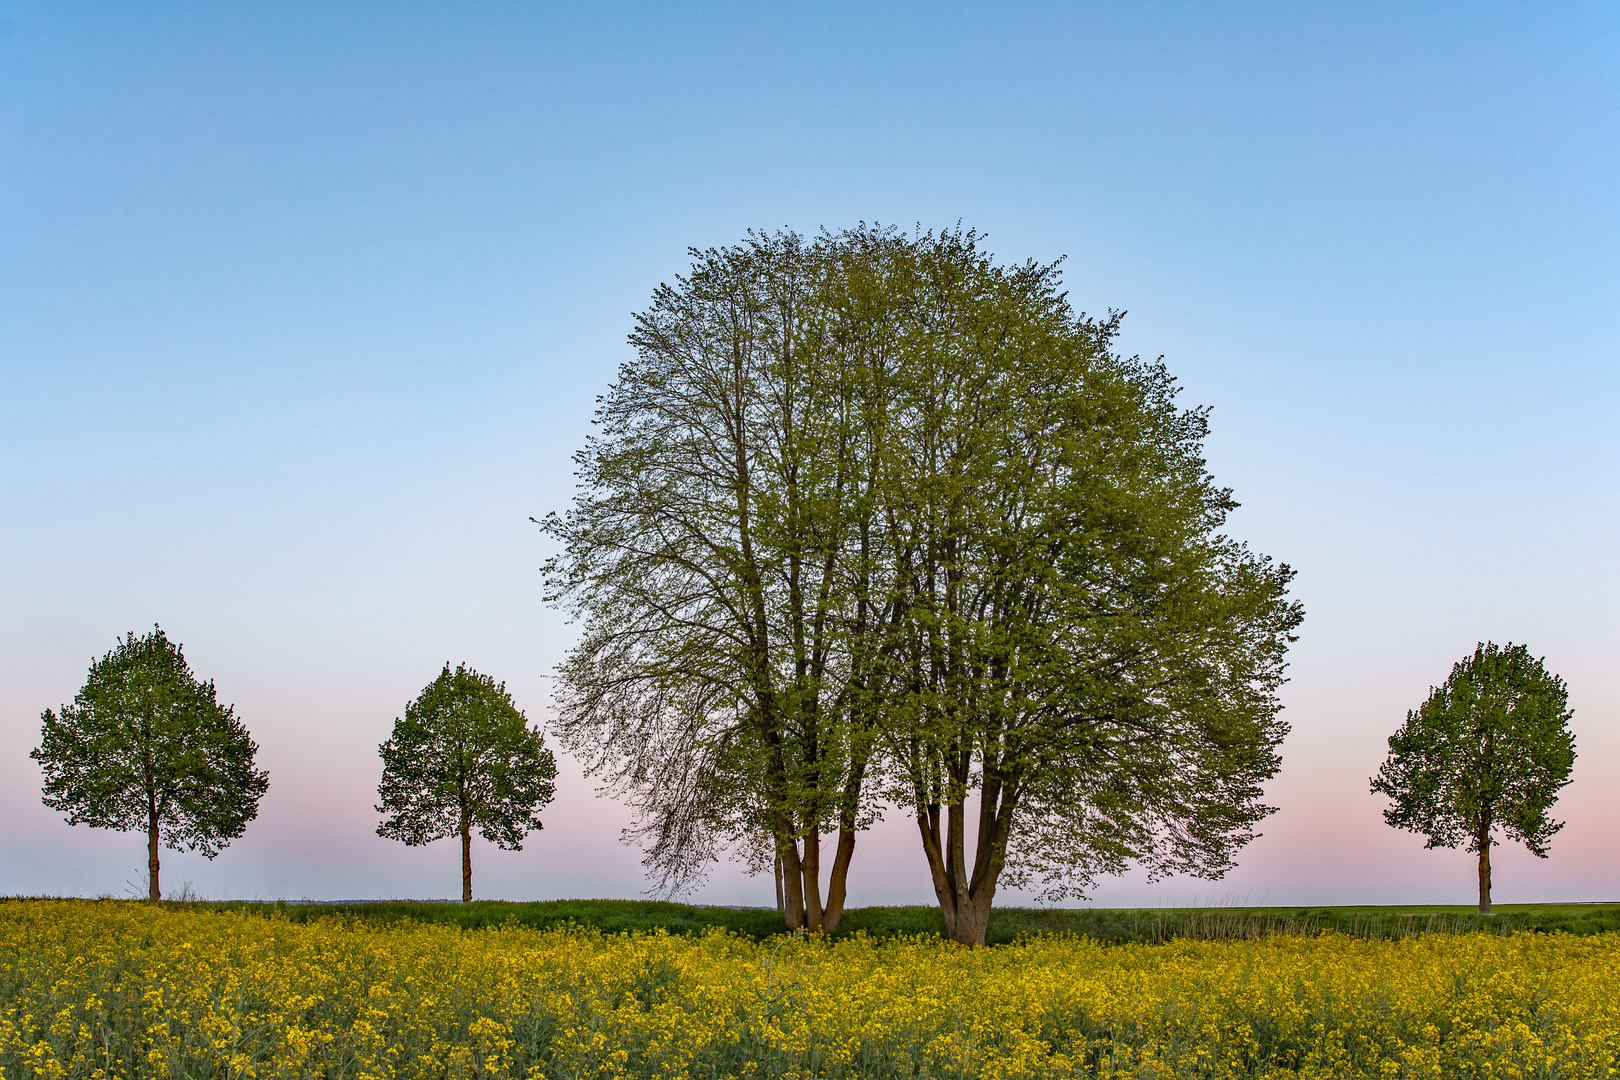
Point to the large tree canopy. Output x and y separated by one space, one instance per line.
146 746
1085 654
1487 752
464 757
872 508
721 556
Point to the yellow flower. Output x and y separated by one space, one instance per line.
100 990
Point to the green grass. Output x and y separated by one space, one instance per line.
1006 924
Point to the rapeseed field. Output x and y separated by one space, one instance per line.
113 990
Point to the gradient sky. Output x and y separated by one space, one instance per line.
303 308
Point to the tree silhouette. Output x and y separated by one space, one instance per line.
463 756
145 745
1489 750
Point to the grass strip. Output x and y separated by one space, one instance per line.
1008 924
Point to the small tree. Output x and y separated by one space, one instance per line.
464 756
145 745
1488 750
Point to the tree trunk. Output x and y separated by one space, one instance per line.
466 862
848 828
781 901
837 880
973 918
965 904
966 896
812 880
792 874
1485 876
152 891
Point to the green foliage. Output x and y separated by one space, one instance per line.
146 746
724 556
870 516
464 757
1085 651
1488 750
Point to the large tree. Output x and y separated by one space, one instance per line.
721 556
870 508
145 745
1088 657
1487 752
464 757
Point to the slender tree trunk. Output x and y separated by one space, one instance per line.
928 827
792 873
812 879
152 891
956 861
782 822
466 861
837 879
1485 876
781 901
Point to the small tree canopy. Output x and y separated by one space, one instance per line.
145 745
462 757
1489 750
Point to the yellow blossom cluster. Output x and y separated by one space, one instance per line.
113 990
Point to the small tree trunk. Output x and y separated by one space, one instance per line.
837 880
1485 876
928 828
956 871
466 862
781 901
838 877
812 880
792 873
152 891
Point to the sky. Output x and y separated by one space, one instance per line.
304 308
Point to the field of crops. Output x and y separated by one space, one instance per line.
113 990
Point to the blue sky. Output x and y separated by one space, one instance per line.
304 307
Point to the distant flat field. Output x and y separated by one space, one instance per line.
1006 924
